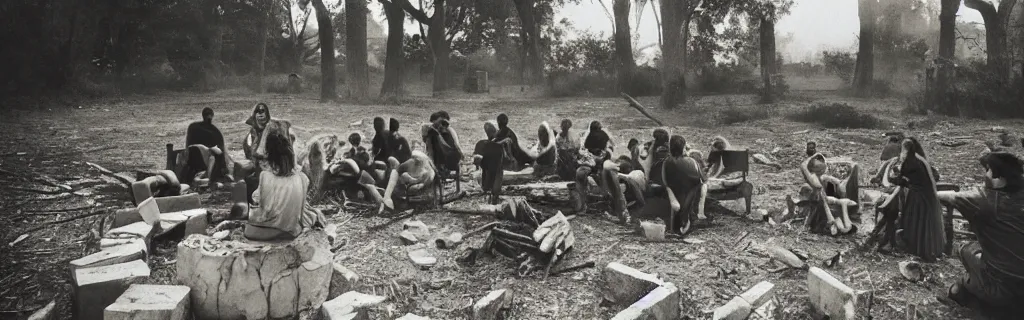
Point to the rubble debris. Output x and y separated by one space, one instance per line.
350 305
263 279
489 307
407 237
342 280
410 316
662 303
831 297
93 289
422 258
48 312
653 230
417 228
622 285
147 301
911 270
735 309
759 294
786 257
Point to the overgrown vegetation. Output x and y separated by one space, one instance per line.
738 114
837 116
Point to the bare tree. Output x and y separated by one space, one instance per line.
358 80
394 63
996 23
530 32
675 25
769 65
947 47
863 75
329 79
626 65
437 39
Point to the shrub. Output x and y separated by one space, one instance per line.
570 84
731 115
836 115
645 82
839 63
729 78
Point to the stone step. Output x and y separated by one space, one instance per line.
152 302
93 289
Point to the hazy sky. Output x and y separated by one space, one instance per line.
814 25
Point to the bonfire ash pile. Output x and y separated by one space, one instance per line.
526 235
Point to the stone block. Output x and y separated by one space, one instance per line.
138 230
125 251
197 219
422 258
662 303
653 230
407 237
255 280
93 289
490 306
759 294
48 312
350 305
830 297
417 228
735 309
622 285
150 302
342 280
107 243
168 204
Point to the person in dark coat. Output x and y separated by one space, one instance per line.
920 213
684 179
204 141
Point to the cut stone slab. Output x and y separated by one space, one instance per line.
128 216
195 219
653 230
255 280
93 289
342 280
48 312
662 303
350 305
759 294
422 258
138 230
107 243
489 307
148 301
735 309
417 228
830 297
407 237
410 316
128 250
622 285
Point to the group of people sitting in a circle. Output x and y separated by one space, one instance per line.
662 175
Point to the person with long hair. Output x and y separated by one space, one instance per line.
995 263
279 209
920 213
684 180
257 120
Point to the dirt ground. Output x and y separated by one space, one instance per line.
52 142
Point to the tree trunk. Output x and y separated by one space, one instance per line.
358 80
439 45
995 33
768 58
394 63
329 78
947 47
675 31
262 59
623 45
705 57
531 42
863 75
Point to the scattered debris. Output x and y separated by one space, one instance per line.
911 270
653 230
834 260
660 303
19 239
786 257
422 258
48 312
490 306
407 237
692 241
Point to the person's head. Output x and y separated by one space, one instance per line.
812 148
595 125
817 165
393 125
1003 170
502 120
490 129
632 144
439 115
544 134
378 124
261 115
207 115
280 154
355 139
720 144
910 148
677 146
566 125
660 136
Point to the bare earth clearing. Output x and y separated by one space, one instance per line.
34 270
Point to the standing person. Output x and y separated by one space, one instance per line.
204 149
278 209
920 213
995 263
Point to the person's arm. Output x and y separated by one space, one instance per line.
969 202
810 178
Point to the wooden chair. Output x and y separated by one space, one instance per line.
948 217
734 161
172 157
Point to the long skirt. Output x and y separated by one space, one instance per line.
921 221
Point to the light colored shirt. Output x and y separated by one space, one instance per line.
278 204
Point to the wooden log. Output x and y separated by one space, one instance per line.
639 107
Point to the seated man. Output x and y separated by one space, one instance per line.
567 147
995 263
890 154
278 209
597 148
626 171
401 149
205 151
353 163
380 147
489 156
442 143
516 158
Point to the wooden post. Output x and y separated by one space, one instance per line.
172 158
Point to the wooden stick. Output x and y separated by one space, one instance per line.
47 224
403 216
639 107
480 229
34 190
103 170
588 264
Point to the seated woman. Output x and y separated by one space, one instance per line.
657 150
489 156
544 152
278 209
516 158
684 180
399 144
815 205
994 279
567 151
353 163
625 170
916 218
380 147
414 176
442 143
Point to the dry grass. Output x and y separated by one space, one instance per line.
140 126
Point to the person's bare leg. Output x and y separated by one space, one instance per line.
389 203
367 182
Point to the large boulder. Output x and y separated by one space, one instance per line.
242 279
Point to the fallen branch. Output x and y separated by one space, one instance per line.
56 210
400 217
78 217
588 264
639 107
127 183
34 190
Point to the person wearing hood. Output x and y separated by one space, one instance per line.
994 279
205 151
442 143
489 157
380 146
258 122
544 151
568 150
